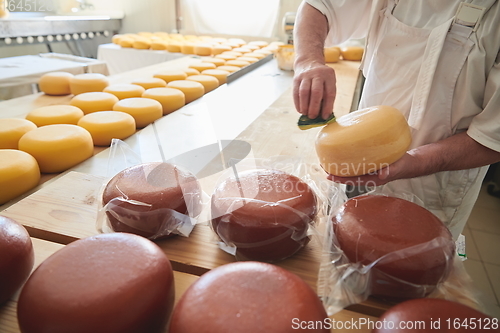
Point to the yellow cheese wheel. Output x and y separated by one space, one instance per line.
237 63
203 49
141 44
255 55
192 90
58 147
216 61
159 45
174 47
171 75
230 69
332 54
150 82
251 47
170 99
115 39
226 57
94 101
363 141
263 51
233 53
259 43
88 82
105 126
4 11
242 50
187 48
191 71
126 42
209 82
144 110
12 129
125 90
55 114
247 59
201 66
354 53
236 41
219 74
19 173
55 83
218 49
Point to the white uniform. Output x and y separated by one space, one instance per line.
442 74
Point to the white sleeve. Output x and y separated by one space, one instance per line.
347 19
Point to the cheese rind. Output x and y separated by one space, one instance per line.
94 101
237 63
171 99
192 90
191 71
55 114
209 82
12 129
230 69
219 74
171 75
55 83
104 126
58 147
125 90
144 110
332 54
88 82
353 53
152 82
19 173
201 66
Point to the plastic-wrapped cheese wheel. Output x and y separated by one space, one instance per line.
55 83
411 248
58 147
144 110
171 99
192 90
12 129
19 173
55 114
247 297
152 199
104 126
109 283
94 101
17 257
88 82
264 213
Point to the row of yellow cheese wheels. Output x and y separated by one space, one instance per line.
65 134
336 53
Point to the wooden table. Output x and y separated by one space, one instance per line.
56 212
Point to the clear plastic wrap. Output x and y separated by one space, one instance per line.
154 199
343 281
267 209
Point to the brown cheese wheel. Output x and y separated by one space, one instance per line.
264 213
16 258
247 297
107 283
369 227
163 187
428 315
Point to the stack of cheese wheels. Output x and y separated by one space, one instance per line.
192 90
108 283
122 91
55 83
55 114
88 82
411 248
12 129
363 141
434 315
144 110
170 99
17 259
104 126
247 297
94 101
19 173
58 147
152 199
264 213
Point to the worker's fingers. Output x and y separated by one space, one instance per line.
304 96
329 93
316 98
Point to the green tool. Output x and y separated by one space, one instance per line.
306 123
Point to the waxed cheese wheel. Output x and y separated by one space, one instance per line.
191 71
12 129
58 147
19 173
218 49
126 42
233 53
187 48
203 49
219 74
104 126
363 141
88 82
148 83
262 51
247 59
332 54
230 69
201 66
370 227
144 110
251 47
55 114
141 44
259 43
255 54
174 47
171 75
109 283
428 315
151 199
237 63
247 297
94 101
242 50
55 83
170 99
17 259
226 57
159 45
264 213
237 41
209 82
354 53
216 61
192 90
125 90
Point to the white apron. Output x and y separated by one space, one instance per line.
425 59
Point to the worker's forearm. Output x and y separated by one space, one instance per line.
310 31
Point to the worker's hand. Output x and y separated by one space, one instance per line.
405 167
314 88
